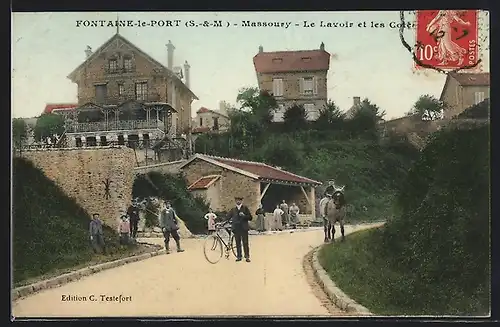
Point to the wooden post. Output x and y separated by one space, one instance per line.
264 192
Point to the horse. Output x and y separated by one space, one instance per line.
334 210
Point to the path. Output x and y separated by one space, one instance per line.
184 284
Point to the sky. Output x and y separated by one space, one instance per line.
366 62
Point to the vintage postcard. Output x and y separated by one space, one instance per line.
260 164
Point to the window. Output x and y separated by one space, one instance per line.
307 85
127 64
121 89
216 124
279 113
278 87
141 91
101 92
113 65
311 111
103 140
478 97
201 122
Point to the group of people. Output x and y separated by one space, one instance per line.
283 216
127 229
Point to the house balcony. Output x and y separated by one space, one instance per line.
119 70
116 126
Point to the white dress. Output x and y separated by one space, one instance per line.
210 217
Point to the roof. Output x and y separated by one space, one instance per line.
51 106
472 79
205 110
203 182
254 170
467 79
117 36
291 61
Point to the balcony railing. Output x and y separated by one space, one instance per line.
116 125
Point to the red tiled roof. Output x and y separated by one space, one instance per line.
264 171
51 106
203 182
472 79
202 110
286 61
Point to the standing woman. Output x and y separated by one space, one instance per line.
261 223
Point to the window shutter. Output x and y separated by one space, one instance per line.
301 86
315 85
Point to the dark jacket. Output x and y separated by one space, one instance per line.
133 213
168 219
240 218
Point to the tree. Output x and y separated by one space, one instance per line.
330 117
48 125
366 118
428 107
260 103
19 132
295 118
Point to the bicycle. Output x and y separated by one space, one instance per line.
215 243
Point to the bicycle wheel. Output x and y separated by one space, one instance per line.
233 245
212 249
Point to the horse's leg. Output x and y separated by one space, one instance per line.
342 229
333 231
325 229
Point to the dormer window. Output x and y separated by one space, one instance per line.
277 60
306 59
127 64
113 65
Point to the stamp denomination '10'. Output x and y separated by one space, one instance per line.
447 39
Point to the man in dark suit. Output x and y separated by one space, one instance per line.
240 216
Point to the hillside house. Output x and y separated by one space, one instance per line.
127 97
294 77
208 120
463 90
220 179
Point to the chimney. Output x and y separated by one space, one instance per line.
88 51
322 46
170 55
357 101
186 73
222 107
261 49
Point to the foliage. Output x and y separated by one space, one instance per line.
295 118
330 117
48 125
365 119
260 103
478 111
372 280
19 132
150 216
428 106
50 230
174 188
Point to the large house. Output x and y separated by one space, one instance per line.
126 95
219 180
463 90
294 77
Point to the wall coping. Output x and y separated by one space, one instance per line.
86 148
160 165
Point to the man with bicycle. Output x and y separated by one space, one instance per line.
240 216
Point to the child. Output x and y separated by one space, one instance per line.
211 217
124 229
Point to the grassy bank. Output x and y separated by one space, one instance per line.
50 230
372 280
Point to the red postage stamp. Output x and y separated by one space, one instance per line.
446 39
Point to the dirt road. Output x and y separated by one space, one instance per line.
185 284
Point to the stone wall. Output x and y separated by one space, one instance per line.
164 168
81 173
231 184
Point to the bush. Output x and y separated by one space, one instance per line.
50 230
174 188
